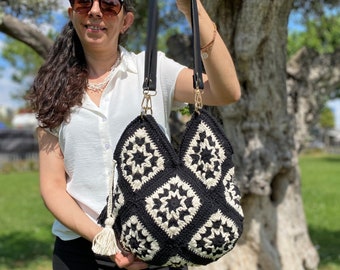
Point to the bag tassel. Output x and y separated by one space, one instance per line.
105 243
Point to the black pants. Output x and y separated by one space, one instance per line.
77 254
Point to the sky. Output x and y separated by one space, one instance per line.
8 87
335 107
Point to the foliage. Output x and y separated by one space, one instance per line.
320 192
22 58
25 62
314 8
327 119
321 20
322 34
36 10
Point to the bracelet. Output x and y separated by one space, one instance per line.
206 49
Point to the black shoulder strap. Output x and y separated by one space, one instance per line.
151 48
198 79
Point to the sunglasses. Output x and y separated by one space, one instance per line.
107 7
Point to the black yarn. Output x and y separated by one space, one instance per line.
165 200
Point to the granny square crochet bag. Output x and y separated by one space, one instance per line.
172 208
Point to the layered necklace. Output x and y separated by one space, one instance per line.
99 87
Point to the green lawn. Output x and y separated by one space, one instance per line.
321 191
25 225
25 237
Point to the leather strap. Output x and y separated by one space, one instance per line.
151 48
197 77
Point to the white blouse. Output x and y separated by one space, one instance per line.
89 139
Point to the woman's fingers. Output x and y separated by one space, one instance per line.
128 261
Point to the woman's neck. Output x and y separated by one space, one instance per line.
99 64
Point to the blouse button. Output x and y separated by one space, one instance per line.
107 146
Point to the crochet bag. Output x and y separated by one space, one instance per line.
172 208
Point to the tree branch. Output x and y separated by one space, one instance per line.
25 33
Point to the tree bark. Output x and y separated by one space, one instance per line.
312 78
25 33
262 133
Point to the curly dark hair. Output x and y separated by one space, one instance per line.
61 80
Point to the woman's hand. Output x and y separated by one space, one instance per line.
221 86
128 261
184 6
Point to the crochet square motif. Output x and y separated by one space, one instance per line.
176 209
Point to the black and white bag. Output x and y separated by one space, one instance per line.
172 208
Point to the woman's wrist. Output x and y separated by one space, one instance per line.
205 49
91 234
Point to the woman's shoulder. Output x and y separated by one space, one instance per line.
141 55
136 62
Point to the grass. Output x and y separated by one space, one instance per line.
321 191
26 241
25 237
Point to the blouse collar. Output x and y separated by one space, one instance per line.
128 63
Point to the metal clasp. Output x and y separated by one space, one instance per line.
198 100
147 102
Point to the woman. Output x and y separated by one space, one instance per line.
84 96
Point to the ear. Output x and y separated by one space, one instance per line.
128 21
70 12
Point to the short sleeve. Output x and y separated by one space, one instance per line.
168 73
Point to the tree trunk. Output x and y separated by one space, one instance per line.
311 80
262 133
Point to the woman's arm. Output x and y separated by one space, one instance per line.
62 205
53 188
221 83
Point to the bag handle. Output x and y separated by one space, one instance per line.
151 48
149 85
197 77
